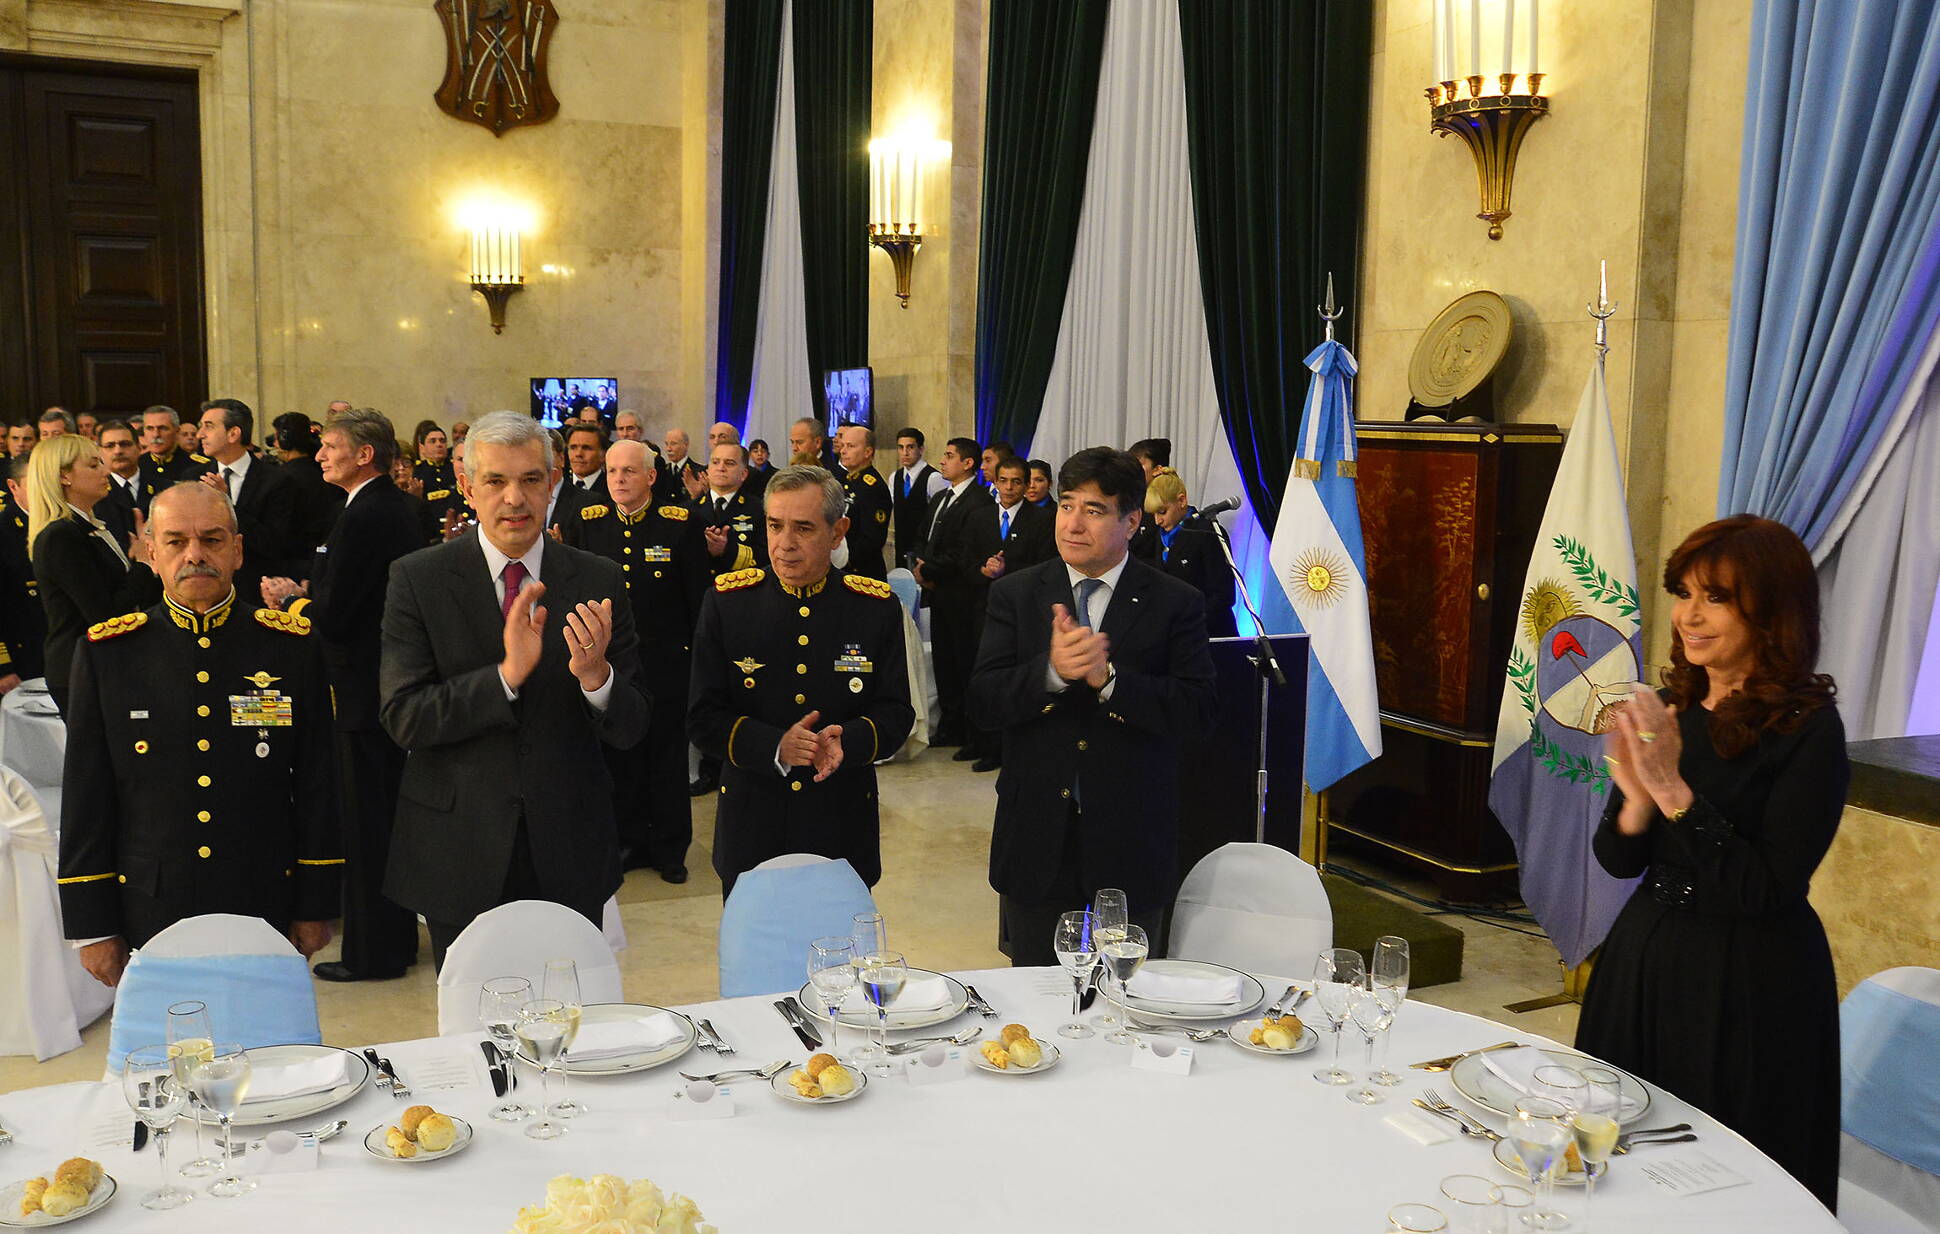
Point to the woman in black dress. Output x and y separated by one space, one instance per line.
1716 981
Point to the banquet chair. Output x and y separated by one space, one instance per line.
1254 907
516 940
256 985
904 584
46 997
1889 1142
774 911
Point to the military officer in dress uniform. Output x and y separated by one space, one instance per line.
163 460
434 470
869 501
799 687
23 622
731 513
663 558
199 766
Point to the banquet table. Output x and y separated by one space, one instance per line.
1244 1141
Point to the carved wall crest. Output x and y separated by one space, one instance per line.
495 61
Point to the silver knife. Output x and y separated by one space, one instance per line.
802 1018
977 1001
806 1037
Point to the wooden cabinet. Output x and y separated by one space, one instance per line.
1449 513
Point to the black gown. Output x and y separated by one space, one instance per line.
1716 981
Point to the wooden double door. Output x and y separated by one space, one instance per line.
100 240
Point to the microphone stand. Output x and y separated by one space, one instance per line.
1267 664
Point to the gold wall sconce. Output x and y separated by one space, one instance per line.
897 223
1491 125
498 268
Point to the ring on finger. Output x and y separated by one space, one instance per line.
1646 737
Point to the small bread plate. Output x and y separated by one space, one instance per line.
632 1060
1051 1056
898 1020
1252 994
1241 1035
264 1111
10 1195
376 1144
1505 1156
1474 1080
786 1091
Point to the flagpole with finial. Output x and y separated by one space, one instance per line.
1329 312
1603 310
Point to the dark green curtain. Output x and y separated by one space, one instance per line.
834 47
1038 109
1276 114
751 71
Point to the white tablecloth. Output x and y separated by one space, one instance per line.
33 740
1245 1142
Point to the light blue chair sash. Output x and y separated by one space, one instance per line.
1889 1043
253 1000
771 916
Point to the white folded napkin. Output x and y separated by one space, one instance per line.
1207 988
1417 1127
1517 1069
275 1081
918 994
613 1037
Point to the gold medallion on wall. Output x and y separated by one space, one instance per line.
1459 350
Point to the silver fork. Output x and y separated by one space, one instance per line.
1435 1102
1191 1034
767 1073
398 1087
917 1043
1280 1004
721 1045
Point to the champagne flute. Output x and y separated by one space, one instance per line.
1337 972
1077 952
833 976
499 1003
1538 1132
870 933
541 1031
221 1082
148 1083
189 1037
1372 1013
1110 914
883 976
1124 956
1388 977
561 985
1595 1127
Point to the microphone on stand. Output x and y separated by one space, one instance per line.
1219 507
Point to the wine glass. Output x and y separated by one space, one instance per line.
870 933
221 1082
1538 1131
561 985
1563 1085
883 976
1337 972
541 1030
1372 1012
1077 952
148 1082
1123 955
833 976
1416 1219
1595 1127
189 1036
1109 917
1388 977
1477 1201
499 1002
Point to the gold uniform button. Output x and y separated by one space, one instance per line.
794 786
801 698
204 781
202 675
1048 708
201 816
628 550
801 670
141 747
628 535
203 641
1065 793
802 639
627 566
1084 745
804 610
202 710
203 851
202 743
121 878
656 574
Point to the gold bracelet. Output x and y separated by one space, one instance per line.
1677 816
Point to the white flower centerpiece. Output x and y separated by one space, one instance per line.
608 1204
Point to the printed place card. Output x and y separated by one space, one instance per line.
1687 1172
1165 1055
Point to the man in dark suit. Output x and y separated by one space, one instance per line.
499 698
1095 667
264 497
1011 535
948 567
345 602
585 473
869 501
912 488
122 454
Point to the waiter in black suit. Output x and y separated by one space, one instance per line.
1095 667
950 569
912 488
345 602
869 502
23 622
265 498
507 658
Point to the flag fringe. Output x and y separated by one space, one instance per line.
1347 467
1307 468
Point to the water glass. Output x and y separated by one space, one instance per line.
870 933
561 985
149 1085
1388 977
1372 1013
541 1031
1123 955
1563 1085
1078 954
1110 914
189 1036
1477 1204
221 1082
499 1003
1538 1131
882 978
1337 974
1416 1219
833 974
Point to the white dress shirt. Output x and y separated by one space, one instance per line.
1100 603
234 473
956 493
496 562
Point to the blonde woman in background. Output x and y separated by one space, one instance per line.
1182 547
85 574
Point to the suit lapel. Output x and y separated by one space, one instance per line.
1054 588
1128 601
477 592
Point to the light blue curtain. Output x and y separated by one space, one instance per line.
1837 287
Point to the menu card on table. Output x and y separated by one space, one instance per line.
1688 1172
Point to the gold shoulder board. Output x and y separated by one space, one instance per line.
868 477
676 513
197 458
736 580
288 623
868 586
115 627
437 494
588 513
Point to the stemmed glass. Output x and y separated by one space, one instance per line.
221 1081
1477 1201
1337 973
883 976
870 933
833 976
1123 957
189 1037
499 1003
1388 978
1078 954
1596 1126
1372 1013
1109 918
561 985
542 1031
148 1082
1538 1131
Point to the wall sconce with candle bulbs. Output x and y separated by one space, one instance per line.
497 267
897 225
1491 125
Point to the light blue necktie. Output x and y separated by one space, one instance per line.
1082 593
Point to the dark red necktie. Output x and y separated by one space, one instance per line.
514 576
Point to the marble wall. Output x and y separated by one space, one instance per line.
1878 893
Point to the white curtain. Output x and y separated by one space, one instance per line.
1132 358
781 392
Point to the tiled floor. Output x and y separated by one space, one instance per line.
942 913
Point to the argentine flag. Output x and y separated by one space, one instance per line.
1321 571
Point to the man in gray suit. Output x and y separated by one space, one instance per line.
493 693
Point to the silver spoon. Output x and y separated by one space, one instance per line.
965 1037
767 1073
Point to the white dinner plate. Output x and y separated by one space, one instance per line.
1051 1056
1505 1156
898 1020
10 1205
635 1060
265 1111
786 1091
378 1146
1252 994
1473 1079
1241 1035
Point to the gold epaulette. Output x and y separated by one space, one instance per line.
114 627
592 512
437 494
288 623
197 458
868 477
676 513
868 586
735 580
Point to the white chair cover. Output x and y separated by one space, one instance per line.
1879 1194
219 934
516 940
904 584
611 926
788 861
46 997
33 738
922 692
1253 907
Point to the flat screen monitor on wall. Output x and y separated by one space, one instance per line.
558 399
851 397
